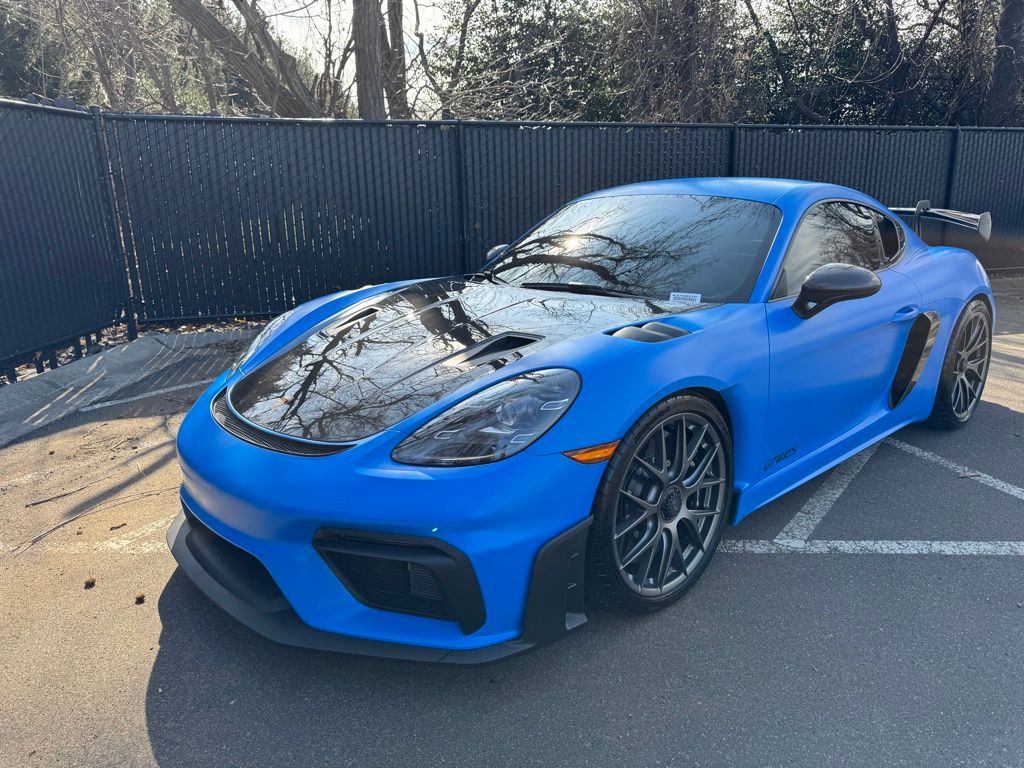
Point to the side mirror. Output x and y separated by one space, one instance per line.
495 252
831 283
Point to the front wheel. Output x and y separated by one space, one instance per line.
661 506
964 368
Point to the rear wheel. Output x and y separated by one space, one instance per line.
661 507
964 368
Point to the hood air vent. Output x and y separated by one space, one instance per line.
344 322
650 332
491 349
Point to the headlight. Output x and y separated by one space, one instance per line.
260 339
493 424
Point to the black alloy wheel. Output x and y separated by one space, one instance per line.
964 369
662 506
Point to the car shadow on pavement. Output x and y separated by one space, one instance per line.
848 650
221 694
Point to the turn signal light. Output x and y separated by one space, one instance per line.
594 454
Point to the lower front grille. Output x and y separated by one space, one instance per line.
414 575
243 430
394 585
232 567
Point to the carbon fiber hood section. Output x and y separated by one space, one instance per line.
378 363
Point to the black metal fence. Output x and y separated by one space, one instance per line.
216 217
61 275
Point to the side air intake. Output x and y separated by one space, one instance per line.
650 332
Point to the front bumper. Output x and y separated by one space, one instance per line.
252 542
240 585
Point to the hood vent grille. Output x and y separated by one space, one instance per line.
344 322
491 349
650 332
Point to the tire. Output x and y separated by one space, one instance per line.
686 493
964 368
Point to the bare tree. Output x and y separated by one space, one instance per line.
444 89
268 69
782 67
366 36
1002 103
393 55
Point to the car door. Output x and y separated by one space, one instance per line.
831 373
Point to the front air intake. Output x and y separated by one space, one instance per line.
405 574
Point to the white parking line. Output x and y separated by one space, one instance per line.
795 536
960 469
146 539
802 525
910 547
164 391
793 539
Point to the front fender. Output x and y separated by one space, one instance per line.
726 352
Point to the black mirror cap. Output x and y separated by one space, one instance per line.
832 283
495 252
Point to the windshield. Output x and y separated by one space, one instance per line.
687 248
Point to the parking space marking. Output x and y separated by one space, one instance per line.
960 469
154 393
794 538
146 539
800 528
852 547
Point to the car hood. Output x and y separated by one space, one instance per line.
382 360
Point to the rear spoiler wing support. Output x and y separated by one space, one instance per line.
979 222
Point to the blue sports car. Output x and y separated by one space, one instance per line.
449 469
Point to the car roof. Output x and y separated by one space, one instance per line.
786 193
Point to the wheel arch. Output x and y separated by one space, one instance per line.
716 399
987 299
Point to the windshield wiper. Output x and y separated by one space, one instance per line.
584 288
489 276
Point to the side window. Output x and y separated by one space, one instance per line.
892 237
832 232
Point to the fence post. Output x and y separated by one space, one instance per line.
733 140
112 224
951 169
460 162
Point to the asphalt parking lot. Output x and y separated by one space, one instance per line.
872 617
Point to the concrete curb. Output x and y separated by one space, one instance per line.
31 404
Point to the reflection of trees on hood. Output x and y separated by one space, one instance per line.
377 365
305 384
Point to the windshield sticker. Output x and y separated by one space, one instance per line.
684 298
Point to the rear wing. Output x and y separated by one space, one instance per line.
980 222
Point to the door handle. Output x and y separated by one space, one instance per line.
906 313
